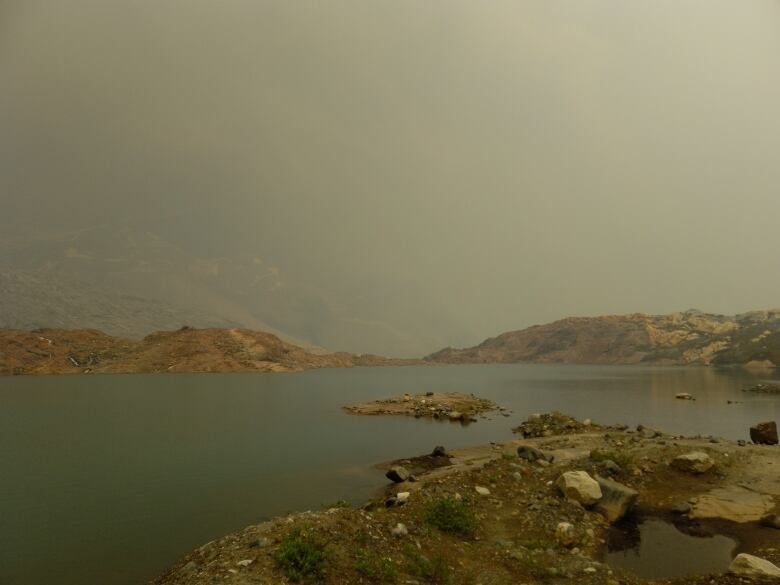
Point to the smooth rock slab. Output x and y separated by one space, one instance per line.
580 487
745 564
693 462
617 499
732 503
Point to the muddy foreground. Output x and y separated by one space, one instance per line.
486 516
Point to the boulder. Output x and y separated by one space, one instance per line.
439 451
616 499
693 462
745 564
764 433
580 487
532 454
397 474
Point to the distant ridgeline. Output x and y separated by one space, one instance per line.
75 351
692 337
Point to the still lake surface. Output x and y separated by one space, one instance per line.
110 479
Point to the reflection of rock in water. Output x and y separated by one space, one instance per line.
655 549
624 536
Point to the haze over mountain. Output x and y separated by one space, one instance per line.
385 177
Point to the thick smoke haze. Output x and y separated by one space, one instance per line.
414 174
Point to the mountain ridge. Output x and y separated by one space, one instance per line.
81 351
684 338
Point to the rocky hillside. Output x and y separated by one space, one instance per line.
691 337
59 351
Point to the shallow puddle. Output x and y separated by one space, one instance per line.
655 549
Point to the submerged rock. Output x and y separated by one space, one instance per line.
580 487
764 433
684 396
693 462
745 564
617 499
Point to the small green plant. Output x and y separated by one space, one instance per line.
451 515
376 568
622 459
302 555
508 455
435 570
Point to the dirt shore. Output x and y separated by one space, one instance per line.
486 516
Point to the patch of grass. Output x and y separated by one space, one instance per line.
451 515
622 459
376 568
508 455
302 555
435 570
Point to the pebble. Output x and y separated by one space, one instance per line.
245 562
482 491
399 530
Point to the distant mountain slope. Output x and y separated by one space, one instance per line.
32 300
130 281
58 351
691 337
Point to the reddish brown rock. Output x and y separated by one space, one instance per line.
764 433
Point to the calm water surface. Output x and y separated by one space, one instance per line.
109 479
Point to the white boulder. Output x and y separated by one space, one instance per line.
745 564
580 487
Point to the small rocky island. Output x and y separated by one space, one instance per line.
453 406
536 509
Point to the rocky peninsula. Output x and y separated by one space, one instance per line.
454 406
542 507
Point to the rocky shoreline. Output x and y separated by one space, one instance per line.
535 509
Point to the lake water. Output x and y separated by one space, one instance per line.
109 479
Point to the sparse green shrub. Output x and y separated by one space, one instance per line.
302 555
435 570
451 515
376 568
622 459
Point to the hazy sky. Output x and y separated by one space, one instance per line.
511 162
